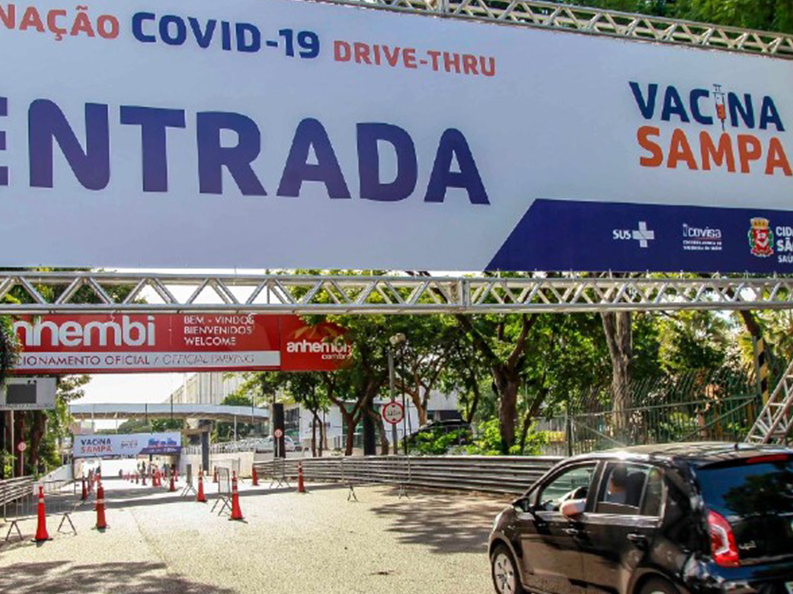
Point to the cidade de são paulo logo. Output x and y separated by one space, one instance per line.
710 128
761 238
765 240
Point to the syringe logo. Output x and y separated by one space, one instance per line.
721 110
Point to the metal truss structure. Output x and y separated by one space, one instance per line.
774 424
551 15
35 293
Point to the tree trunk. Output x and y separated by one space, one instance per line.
474 404
36 435
321 447
531 414
508 384
350 422
617 327
313 435
379 423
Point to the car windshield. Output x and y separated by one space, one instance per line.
757 500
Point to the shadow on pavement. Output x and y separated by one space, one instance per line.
447 523
118 578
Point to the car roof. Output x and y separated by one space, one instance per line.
693 453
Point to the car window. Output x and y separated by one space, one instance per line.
570 484
630 489
756 498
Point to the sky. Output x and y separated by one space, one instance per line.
131 387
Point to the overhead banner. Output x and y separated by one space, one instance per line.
304 135
132 444
141 343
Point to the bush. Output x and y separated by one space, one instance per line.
438 442
488 441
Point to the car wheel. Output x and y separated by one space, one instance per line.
658 586
506 577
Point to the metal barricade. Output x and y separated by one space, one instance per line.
502 475
19 499
224 489
188 489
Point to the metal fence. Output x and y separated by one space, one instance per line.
506 475
19 499
702 405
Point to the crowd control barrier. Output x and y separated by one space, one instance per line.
19 499
504 475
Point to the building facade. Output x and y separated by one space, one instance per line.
210 387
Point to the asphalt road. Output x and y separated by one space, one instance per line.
431 543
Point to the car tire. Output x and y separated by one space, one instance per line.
505 572
658 586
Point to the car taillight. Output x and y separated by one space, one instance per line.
722 541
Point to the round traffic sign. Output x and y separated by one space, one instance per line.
278 433
393 413
22 446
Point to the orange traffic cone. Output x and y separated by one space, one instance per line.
236 512
172 488
200 497
101 523
301 487
215 478
41 530
255 478
84 496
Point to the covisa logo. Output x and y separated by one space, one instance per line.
726 123
71 333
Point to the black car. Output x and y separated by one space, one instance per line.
700 518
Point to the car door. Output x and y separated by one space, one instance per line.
551 555
619 530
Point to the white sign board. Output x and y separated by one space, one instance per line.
306 135
31 393
133 444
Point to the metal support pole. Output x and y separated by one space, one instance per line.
391 386
13 448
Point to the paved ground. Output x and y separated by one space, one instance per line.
289 543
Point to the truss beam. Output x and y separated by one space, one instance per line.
550 15
774 424
36 293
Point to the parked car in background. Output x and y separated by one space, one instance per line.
704 518
267 444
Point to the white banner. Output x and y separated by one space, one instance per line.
304 135
133 444
119 362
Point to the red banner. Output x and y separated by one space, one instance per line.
312 348
61 344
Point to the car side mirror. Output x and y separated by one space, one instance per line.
573 508
522 505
